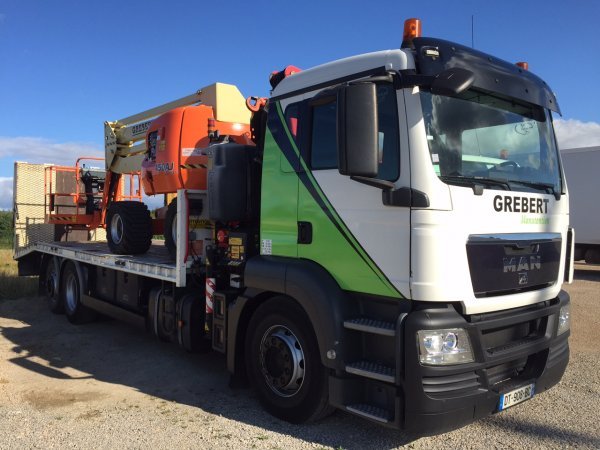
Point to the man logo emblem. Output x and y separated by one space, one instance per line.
523 279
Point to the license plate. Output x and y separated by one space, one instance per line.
516 396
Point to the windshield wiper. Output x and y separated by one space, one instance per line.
546 187
478 183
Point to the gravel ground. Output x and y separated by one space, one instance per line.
106 385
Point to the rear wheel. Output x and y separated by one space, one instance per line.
70 290
128 228
283 363
51 278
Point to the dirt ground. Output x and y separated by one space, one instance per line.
108 385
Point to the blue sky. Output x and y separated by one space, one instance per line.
66 66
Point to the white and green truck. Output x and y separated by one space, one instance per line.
394 245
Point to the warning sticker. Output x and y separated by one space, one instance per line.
266 247
235 241
196 223
196 151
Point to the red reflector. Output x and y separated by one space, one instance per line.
221 236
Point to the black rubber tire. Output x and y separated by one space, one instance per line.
592 255
135 236
170 217
51 286
195 207
70 293
311 401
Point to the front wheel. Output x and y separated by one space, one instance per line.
283 363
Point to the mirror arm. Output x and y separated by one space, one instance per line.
410 79
390 196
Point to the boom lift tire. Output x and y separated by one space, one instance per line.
195 209
128 228
51 284
283 362
171 228
70 289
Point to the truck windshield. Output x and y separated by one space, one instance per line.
497 143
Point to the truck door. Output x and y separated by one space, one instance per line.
279 190
342 224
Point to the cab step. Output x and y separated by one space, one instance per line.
370 412
373 370
373 326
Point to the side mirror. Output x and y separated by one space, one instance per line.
358 142
452 82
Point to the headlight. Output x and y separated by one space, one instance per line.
564 319
444 347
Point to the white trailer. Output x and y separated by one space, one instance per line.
581 170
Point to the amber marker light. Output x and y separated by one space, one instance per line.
523 65
412 29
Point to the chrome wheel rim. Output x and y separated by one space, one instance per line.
282 361
116 229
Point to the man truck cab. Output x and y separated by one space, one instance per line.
374 161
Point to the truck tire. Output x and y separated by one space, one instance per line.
283 363
128 228
70 289
51 285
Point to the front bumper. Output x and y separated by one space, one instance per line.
511 348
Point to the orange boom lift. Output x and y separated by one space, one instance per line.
160 151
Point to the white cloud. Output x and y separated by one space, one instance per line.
6 193
574 133
40 150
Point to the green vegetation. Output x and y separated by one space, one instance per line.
6 229
11 285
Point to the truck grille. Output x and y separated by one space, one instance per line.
507 263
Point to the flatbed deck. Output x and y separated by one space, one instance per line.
155 263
